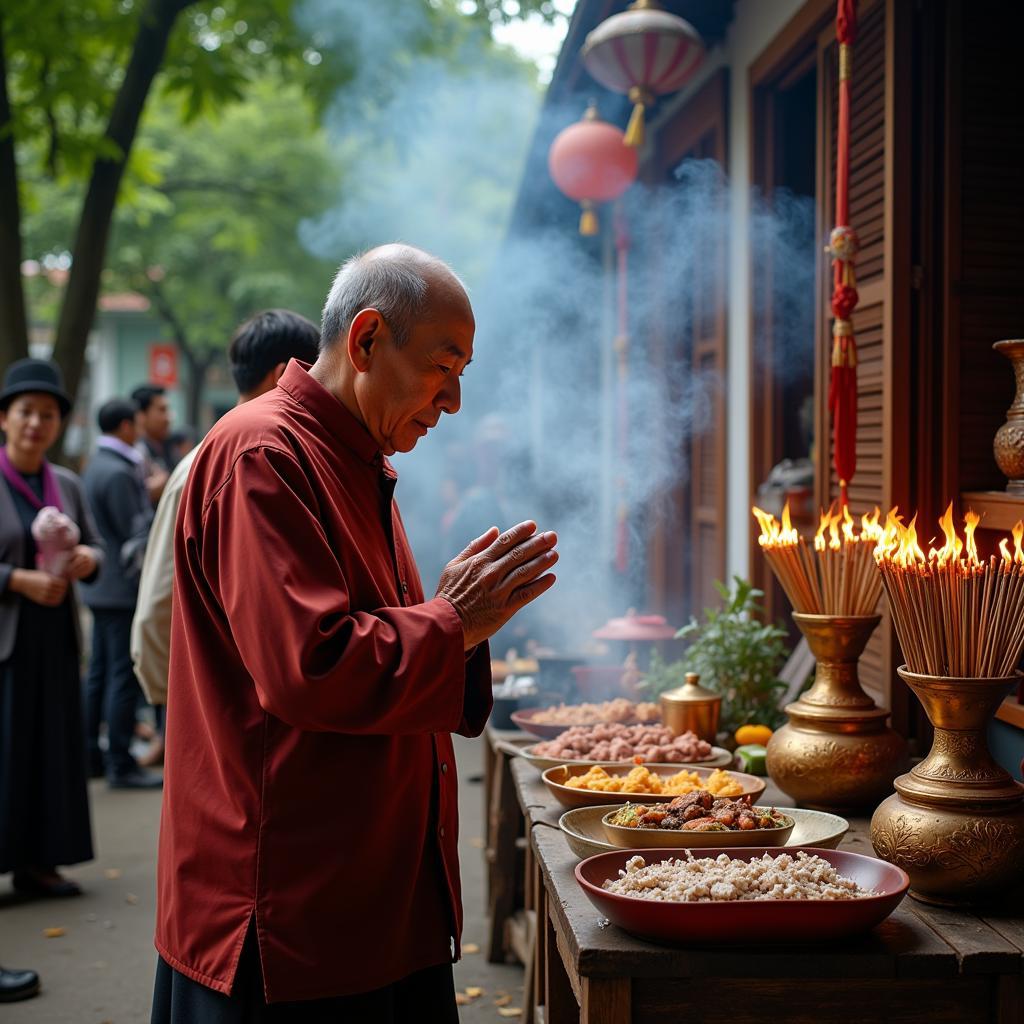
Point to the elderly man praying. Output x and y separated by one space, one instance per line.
308 868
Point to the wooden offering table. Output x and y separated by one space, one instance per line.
923 964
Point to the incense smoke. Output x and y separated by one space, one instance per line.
537 435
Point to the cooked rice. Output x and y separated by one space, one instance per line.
707 880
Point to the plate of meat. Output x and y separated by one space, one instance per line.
547 723
697 820
615 743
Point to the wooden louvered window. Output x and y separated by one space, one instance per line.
687 550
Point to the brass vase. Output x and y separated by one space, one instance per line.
956 822
1008 445
836 750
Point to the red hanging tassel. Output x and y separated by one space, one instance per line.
843 245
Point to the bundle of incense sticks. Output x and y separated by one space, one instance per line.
835 576
955 614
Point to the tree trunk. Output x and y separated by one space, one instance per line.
13 317
89 252
198 369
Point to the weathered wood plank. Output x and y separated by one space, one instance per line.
815 1001
560 1004
979 948
606 1001
504 825
1008 920
1009 1000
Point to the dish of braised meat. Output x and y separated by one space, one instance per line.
701 811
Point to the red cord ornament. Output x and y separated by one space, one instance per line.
843 245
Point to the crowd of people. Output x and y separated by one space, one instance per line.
111 532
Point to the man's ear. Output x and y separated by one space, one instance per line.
367 327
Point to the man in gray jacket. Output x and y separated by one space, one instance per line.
116 492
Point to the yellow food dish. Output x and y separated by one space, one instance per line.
642 780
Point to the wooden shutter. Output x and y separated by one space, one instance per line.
687 550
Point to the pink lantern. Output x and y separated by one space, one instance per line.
643 52
590 163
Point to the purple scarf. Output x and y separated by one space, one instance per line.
51 492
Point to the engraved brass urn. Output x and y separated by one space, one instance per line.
956 822
1008 445
836 750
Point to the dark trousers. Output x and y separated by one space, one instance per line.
426 997
111 690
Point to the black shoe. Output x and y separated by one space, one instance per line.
15 985
29 884
136 779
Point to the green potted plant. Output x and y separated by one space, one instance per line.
735 655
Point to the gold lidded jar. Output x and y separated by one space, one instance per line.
692 708
836 751
956 821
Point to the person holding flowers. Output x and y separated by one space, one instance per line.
47 541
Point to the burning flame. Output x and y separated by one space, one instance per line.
950 551
823 523
971 520
898 544
772 533
869 528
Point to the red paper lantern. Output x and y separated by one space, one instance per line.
643 52
590 162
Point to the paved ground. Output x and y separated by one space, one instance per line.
100 970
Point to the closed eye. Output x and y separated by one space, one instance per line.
448 369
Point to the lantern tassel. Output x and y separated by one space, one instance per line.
635 129
588 219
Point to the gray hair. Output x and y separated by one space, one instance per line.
392 280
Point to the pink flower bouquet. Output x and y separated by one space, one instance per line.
56 536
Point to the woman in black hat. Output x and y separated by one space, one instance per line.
44 807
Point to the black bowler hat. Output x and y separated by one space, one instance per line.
38 375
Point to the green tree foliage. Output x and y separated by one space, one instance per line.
209 228
75 76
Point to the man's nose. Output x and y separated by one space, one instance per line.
450 399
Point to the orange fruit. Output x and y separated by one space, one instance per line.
760 734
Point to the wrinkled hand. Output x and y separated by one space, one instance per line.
40 587
81 564
495 576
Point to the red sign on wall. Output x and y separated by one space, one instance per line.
163 365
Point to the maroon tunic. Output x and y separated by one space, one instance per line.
310 782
